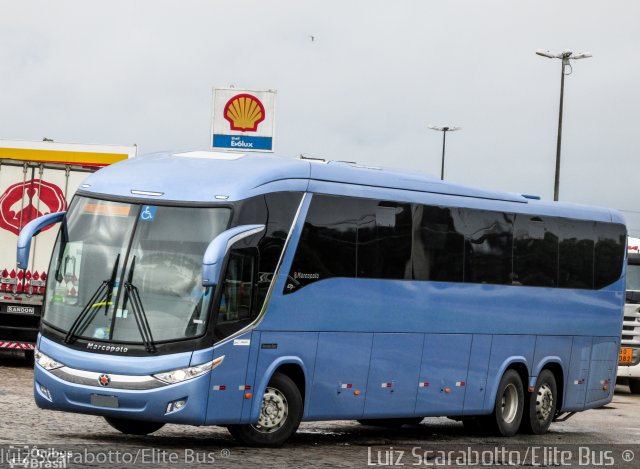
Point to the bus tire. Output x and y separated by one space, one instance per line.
391 423
541 408
634 386
133 427
509 406
280 415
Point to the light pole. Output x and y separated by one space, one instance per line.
566 55
444 129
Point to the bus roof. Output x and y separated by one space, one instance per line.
206 177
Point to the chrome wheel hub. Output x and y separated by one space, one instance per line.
509 405
544 402
274 411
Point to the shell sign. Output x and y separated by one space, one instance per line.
243 119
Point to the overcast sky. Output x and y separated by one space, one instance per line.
365 89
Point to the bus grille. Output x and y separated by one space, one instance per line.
631 325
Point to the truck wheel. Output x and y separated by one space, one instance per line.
509 406
133 427
634 386
280 415
391 423
542 404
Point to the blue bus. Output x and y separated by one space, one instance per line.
256 292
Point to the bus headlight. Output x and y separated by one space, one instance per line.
183 374
46 362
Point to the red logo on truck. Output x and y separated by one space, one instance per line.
40 198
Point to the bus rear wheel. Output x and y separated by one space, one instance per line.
133 427
280 415
509 406
542 405
634 386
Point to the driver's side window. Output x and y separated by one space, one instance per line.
237 302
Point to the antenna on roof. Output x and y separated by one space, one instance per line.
314 158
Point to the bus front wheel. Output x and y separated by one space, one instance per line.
509 406
133 427
280 415
542 405
634 386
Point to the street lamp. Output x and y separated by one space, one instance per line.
444 130
566 55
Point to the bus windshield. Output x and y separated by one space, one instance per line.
113 259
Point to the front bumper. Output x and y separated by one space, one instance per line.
145 405
629 371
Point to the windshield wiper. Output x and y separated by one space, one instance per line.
101 296
131 292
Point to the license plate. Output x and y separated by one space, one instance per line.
21 309
100 400
626 356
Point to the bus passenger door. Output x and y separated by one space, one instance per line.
228 381
236 310
443 375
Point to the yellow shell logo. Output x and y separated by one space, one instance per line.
244 112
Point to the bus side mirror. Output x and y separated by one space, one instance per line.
29 231
218 248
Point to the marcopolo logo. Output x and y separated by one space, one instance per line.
107 348
244 112
104 380
22 203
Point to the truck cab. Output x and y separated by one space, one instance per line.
629 360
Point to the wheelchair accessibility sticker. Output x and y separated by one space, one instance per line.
148 213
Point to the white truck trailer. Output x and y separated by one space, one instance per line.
37 178
629 360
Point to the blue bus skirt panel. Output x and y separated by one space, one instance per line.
277 349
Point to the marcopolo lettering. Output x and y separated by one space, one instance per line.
107 348
306 276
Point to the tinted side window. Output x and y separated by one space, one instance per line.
535 251
384 240
609 253
438 249
276 211
327 246
576 253
488 245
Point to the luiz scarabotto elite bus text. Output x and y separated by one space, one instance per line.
256 292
